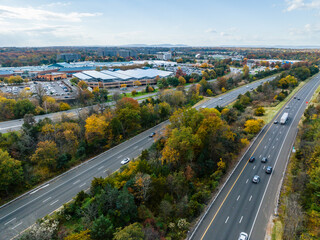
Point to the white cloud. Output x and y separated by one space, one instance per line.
58 4
30 13
301 4
211 30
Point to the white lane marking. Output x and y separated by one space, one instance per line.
277 139
269 139
10 221
227 219
76 182
247 180
238 197
272 146
16 226
119 156
82 185
285 137
140 149
269 156
265 147
273 133
135 147
100 167
46 199
260 156
241 219
250 198
279 132
39 189
264 167
105 170
254 167
54 202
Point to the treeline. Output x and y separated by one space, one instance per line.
46 148
158 195
299 210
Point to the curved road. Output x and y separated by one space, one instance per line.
25 210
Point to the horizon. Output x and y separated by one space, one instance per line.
44 23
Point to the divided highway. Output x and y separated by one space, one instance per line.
243 206
24 211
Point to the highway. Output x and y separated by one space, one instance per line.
243 206
25 210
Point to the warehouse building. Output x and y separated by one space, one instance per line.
113 79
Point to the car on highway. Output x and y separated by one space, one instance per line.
275 122
152 134
243 236
125 161
264 160
287 107
298 98
256 179
269 170
294 97
252 159
220 98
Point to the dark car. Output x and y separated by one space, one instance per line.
269 170
252 159
152 134
275 122
256 179
298 98
294 97
264 160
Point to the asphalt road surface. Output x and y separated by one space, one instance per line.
243 206
24 211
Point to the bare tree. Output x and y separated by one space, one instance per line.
40 93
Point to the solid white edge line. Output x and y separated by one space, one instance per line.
254 221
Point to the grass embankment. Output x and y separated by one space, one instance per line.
271 112
277 230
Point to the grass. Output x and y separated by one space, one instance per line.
277 230
271 112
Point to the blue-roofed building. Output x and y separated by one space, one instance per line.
6 73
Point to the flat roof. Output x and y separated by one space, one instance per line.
99 75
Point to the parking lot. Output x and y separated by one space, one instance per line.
54 89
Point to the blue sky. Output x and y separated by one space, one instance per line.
195 23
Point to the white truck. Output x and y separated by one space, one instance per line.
284 118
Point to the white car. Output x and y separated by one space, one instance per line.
125 161
220 98
243 236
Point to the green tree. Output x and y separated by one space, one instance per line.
102 228
131 232
11 172
23 107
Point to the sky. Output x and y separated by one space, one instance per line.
195 23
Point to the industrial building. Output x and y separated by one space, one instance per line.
112 79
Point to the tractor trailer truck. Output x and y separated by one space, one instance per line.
284 118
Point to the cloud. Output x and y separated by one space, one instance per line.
210 30
30 13
301 4
58 4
